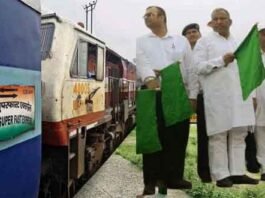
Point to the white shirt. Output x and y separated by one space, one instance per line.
153 52
224 105
260 111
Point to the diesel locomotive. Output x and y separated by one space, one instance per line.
88 104
67 100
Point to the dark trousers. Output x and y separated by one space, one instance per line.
202 143
252 163
167 164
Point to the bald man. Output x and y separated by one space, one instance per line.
224 106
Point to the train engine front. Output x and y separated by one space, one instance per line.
79 133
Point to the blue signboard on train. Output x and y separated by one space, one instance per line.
20 98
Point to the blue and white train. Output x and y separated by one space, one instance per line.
20 98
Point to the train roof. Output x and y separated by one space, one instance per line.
79 28
116 54
76 26
35 4
129 63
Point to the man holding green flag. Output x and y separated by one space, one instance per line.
227 115
252 73
163 164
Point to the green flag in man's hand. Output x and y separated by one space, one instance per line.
147 140
175 100
249 60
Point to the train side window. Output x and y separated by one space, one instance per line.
88 61
92 61
47 31
100 65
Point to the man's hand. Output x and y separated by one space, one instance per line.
228 58
193 103
152 84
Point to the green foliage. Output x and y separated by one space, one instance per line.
199 190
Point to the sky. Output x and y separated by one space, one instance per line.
120 22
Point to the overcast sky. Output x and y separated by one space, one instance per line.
120 22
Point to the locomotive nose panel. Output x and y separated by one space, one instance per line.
80 98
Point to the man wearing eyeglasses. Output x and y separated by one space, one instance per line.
155 51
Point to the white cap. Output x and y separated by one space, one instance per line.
261 26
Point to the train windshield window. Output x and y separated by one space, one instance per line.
47 31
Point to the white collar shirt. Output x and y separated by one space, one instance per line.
155 53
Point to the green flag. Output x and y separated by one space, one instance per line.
147 140
175 100
249 60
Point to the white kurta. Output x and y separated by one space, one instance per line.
224 106
260 123
260 111
153 52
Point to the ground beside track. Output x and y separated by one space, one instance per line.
118 178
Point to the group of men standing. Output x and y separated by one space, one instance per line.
211 79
